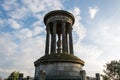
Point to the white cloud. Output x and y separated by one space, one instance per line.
104 34
38 26
89 53
23 33
107 37
78 26
93 11
2 22
14 56
9 5
14 24
33 45
7 46
38 30
30 49
19 13
15 10
42 5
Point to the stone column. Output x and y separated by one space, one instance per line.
66 42
47 40
54 38
51 43
70 40
63 37
97 76
83 75
20 76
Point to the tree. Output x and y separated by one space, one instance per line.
13 76
112 71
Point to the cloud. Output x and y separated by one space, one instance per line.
88 53
19 13
14 56
2 22
106 36
7 46
93 11
25 33
20 47
42 5
30 49
78 27
10 5
14 24
38 30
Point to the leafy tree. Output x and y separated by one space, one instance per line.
13 76
112 71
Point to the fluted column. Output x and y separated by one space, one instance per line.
47 40
53 42
63 37
70 40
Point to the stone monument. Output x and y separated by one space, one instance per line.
59 61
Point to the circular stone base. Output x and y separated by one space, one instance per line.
60 70
60 65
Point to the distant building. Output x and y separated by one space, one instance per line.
59 61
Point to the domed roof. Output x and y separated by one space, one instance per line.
59 57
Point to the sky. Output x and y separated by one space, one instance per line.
96 33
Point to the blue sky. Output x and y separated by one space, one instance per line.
22 32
